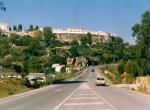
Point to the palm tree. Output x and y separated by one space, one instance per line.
2 7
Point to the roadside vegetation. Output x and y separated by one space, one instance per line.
11 87
134 68
26 54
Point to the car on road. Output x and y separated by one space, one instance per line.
100 81
93 70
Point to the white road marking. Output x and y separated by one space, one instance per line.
105 109
85 88
58 90
84 94
104 100
57 107
84 98
84 103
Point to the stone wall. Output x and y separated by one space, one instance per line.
95 38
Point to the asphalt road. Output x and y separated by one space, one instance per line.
78 94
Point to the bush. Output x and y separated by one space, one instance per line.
145 66
63 69
117 77
26 82
121 67
11 93
133 68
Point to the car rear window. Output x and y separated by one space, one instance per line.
100 78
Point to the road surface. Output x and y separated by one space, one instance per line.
78 94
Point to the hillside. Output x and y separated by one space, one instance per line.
11 87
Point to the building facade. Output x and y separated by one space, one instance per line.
76 34
4 27
68 34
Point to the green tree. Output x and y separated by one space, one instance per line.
118 40
86 40
48 36
56 59
133 68
31 28
36 27
121 67
35 64
17 68
14 28
89 38
141 31
25 69
74 51
63 69
118 48
74 43
4 46
48 71
36 47
20 28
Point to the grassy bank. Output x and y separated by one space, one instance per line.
110 71
11 87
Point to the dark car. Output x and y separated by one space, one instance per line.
93 70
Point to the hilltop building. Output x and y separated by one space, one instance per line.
76 34
68 34
5 27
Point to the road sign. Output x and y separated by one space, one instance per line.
125 74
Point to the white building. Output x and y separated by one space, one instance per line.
57 67
4 27
78 31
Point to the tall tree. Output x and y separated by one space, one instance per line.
20 27
31 28
48 36
86 40
36 27
14 28
142 33
89 38
74 51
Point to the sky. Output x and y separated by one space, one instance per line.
114 16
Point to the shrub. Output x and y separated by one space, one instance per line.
63 69
133 68
121 67
26 82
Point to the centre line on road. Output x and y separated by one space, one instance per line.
84 98
83 94
57 107
86 103
104 100
105 109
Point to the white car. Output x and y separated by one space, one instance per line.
100 81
